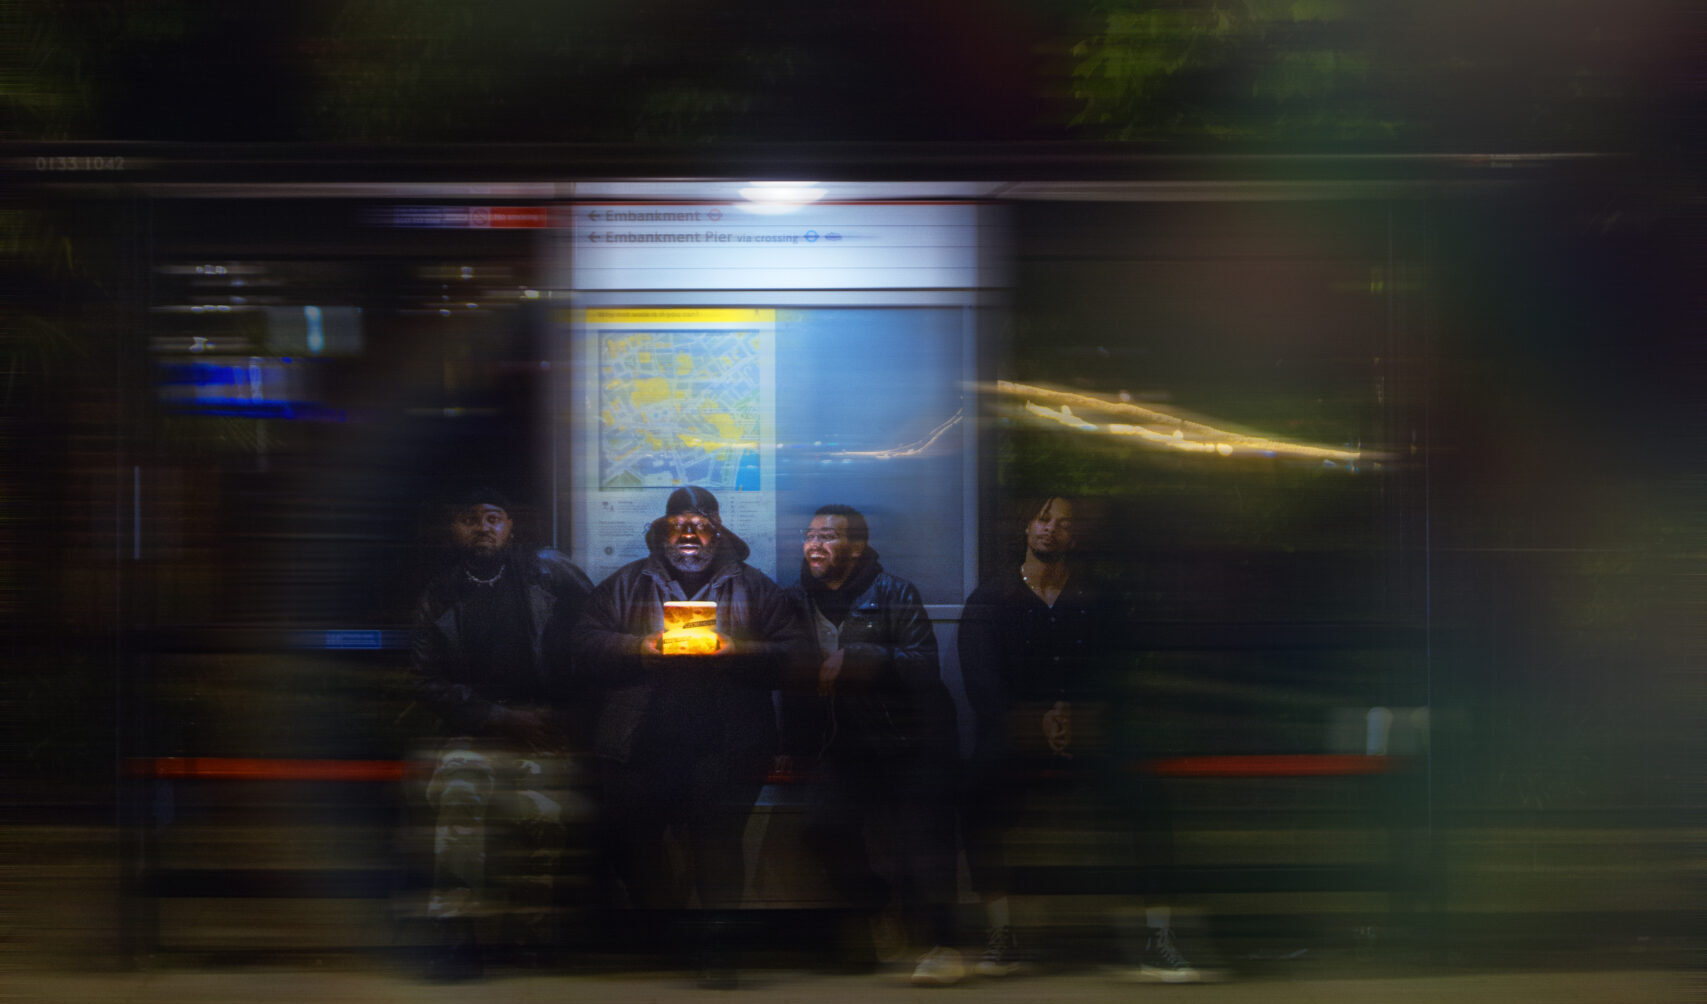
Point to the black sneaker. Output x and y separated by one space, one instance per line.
1001 954
888 935
456 956
1161 962
718 954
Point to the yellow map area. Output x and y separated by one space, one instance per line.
677 405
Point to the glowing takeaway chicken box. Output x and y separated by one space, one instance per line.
690 628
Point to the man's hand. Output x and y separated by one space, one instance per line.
1058 728
828 673
652 646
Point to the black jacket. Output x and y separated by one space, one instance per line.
711 703
549 589
890 698
1018 656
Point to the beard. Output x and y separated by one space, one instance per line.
482 553
690 563
830 569
1049 550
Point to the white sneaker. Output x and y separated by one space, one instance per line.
939 967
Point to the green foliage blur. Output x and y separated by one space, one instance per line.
1340 74
1278 75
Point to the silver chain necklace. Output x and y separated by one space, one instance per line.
485 582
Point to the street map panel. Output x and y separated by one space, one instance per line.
679 407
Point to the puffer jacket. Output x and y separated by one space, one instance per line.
729 696
890 699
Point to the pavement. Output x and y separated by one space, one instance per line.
342 983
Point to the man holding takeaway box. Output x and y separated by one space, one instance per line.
686 730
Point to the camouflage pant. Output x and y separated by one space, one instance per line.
498 829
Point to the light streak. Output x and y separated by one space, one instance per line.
913 449
1178 433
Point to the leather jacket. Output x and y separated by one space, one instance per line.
465 695
889 698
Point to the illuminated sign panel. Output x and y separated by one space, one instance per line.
784 357
726 246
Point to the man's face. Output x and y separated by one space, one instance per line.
481 530
689 541
1049 535
829 552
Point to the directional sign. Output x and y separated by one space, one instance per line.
657 246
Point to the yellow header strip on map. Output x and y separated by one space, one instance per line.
679 315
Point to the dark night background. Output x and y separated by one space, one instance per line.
1524 335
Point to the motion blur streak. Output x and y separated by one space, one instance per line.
1204 438
1348 360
